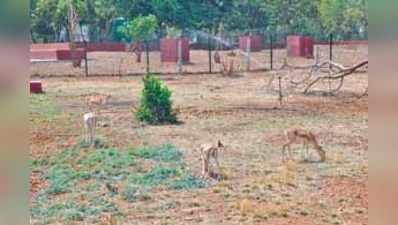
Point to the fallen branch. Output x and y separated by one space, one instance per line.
340 75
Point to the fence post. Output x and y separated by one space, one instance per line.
210 59
85 59
248 53
147 56
280 91
271 51
179 60
331 47
330 59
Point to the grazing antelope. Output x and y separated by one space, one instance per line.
297 136
90 124
208 151
96 101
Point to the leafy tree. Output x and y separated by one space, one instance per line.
141 29
343 18
100 15
50 16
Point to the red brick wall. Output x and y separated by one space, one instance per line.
169 50
61 51
67 54
256 44
308 47
44 54
36 87
294 46
103 47
298 46
49 46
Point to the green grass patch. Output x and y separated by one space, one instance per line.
43 107
187 182
165 153
103 175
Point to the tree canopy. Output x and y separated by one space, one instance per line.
344 18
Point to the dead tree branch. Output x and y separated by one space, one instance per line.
336 76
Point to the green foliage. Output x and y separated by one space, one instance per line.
187 182
347 18
142 28
60 179
173 32
156 105
47 211
343 18
43 108
80 173
107 163
165 153
130 193
158 175
98 143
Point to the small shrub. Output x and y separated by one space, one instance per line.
156 106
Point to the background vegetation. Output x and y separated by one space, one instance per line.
347 19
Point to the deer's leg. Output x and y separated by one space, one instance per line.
284 153
322 154
94 129
304 151
217 164
85 132
91 134
204 166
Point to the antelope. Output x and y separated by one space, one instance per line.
208 151
97 101
90 124
297 136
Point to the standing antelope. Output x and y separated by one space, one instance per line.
96 101
305 137
90 124
208 151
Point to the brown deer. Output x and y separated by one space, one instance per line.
305 137
208 151
94 102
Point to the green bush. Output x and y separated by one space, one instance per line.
156 105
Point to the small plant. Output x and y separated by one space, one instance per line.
156 106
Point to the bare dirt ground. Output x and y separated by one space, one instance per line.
246 116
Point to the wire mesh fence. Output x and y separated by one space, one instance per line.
197 52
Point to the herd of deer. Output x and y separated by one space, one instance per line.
207 151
